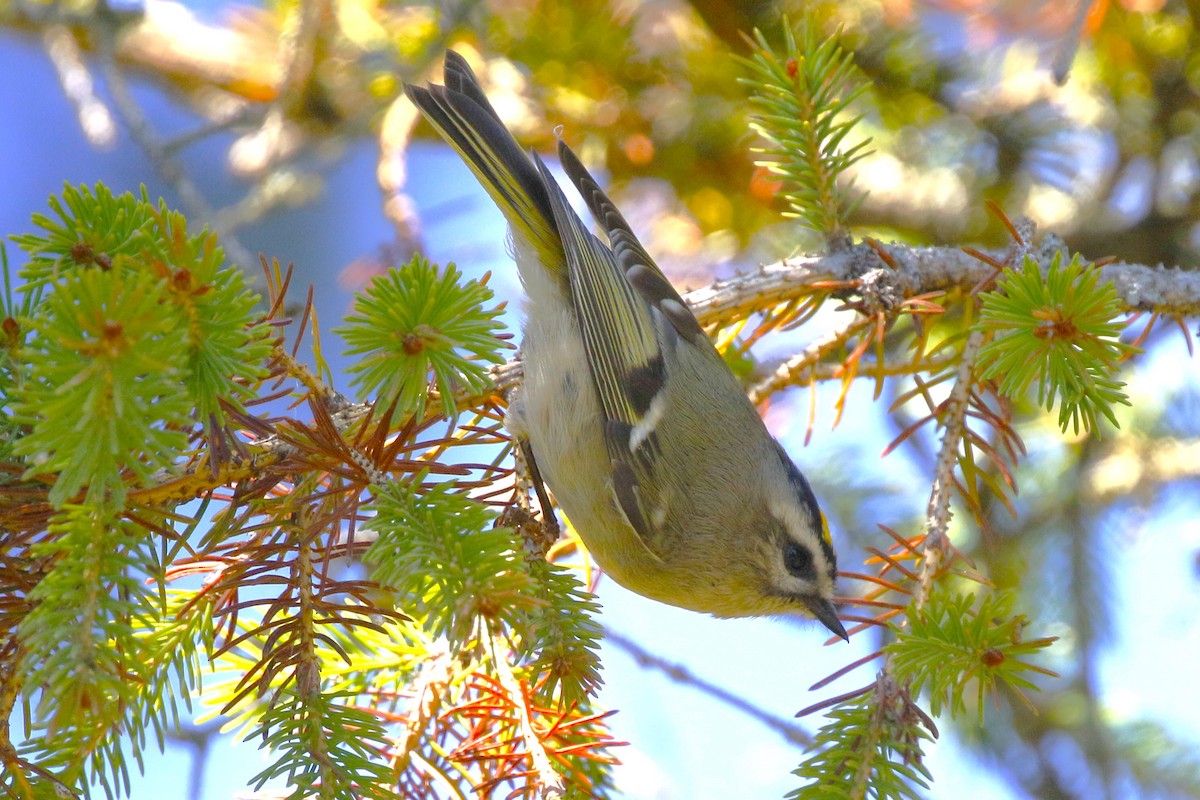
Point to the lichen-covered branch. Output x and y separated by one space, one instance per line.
919 270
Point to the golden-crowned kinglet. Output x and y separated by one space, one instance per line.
627 411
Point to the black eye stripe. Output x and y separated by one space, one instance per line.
800 484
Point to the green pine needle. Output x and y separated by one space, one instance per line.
867 749
326 747
93 229
130 330
950 645
448 566
562 633
415 322
226 342
81 650
437 550
104 392
1060 330
801 103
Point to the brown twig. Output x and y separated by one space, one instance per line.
936 544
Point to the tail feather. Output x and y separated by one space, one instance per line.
463 116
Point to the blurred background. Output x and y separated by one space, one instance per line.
282 126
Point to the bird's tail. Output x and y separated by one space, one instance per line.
461 113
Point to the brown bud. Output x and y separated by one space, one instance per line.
413 344
12 330
82 253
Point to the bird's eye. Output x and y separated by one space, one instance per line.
798 560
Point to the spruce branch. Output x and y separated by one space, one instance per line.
270 609
871 748
914 271
953 640
104 368
935 545
571 742
1059 330
800 102
80 650
799 366
437 548
326 747
417 322
132 329
942 646
884 722
544 777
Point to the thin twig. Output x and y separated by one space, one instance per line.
168 167
225 121
802 366
680 674
392 171
937 523
94 118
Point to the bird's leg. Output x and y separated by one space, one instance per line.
549 522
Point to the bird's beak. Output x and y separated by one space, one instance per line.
824 611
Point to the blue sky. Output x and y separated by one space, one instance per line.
685 745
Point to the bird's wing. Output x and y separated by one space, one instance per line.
630 318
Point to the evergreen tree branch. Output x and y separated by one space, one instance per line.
946 643
800 103
936 544
544 776
886 722
801 366
802 369
1169 291
914 271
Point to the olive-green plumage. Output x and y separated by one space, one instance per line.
634 421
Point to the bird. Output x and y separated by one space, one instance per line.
626 411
